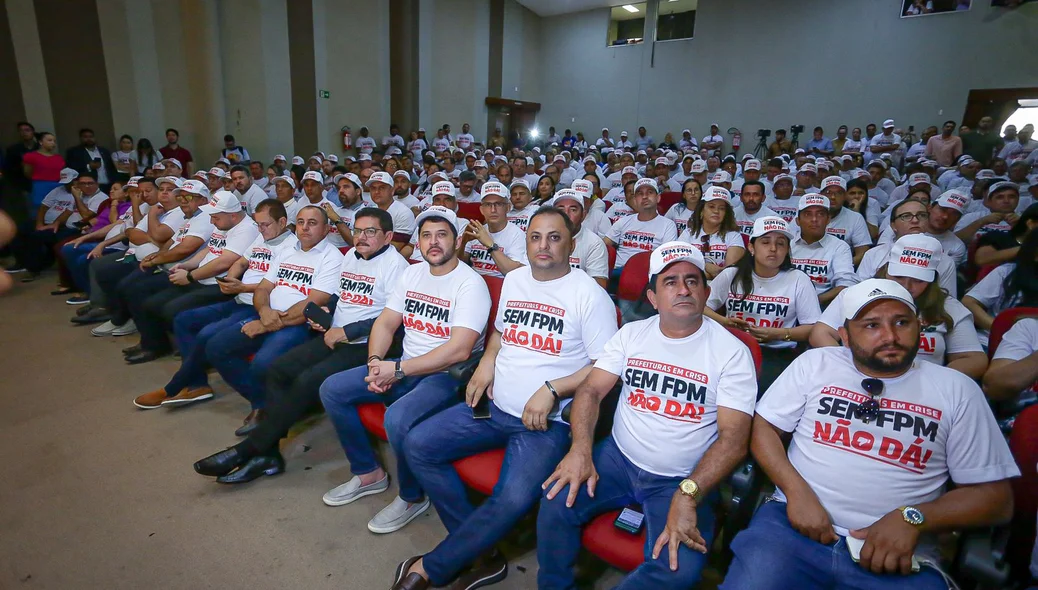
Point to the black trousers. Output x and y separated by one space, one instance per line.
773 362
105 274
154 315
34 249
294 386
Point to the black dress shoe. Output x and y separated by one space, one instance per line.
85 309
144 356
256 467
96 315
252 421
221 463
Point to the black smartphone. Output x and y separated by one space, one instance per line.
481 411
317 315
221 279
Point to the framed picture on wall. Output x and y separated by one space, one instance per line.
930 7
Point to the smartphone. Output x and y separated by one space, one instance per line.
315 314
854 547
630 521
481 411
221 279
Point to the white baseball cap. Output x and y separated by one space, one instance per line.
1005 184
721 176
332 158
623 134
68 175
279 157
493 189
132 182
717 192
834 181
437 211
175 162
662 160
380 176
583 187
753 164
698 167
402 174
568 194
201 175
443 188
889 123
953 199
195 187
649 182
480 164
985 174
672 252
918 178
364 158
855 298
519 182
221 202
768 224
217 172
808 168
813 200
440 175
158 166
916 256
314 176
350 177
224 161
297 161
287 180
174 180
628 170
782 177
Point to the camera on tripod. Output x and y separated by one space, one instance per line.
763 133
796 128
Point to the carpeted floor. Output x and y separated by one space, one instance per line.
95 493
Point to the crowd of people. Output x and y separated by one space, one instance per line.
868 273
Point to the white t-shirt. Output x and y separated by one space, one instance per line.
124 158
745 220
935 342
679 214
388 140
631 236
441 144
784 208
464 141
590 255
618 211
880 140
969 218
876 257
93 203
200 226
597 221
549 330
296 272
365 285
718 245
433 305
58 201
842 458
989 292
172 219
124 223
667 415
850 227
403 218
334 236
238 239
828 262
1021 341
261 255
366 145
521 217
784 301
253 197
513 244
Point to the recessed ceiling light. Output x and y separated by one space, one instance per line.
630 8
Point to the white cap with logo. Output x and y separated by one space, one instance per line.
176 181
835 181
915 256
753 164
380 176
568 194
649 182
437 211
717 192
672 252
813 200
583 187
493 189
857 297
314 176
768 224
221 202
287 180
698 167
721 176
443 188
918 178
954 199
68 175
193 187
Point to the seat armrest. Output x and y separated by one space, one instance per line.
981 557
463 370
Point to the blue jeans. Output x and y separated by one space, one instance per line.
78 265
192 330
530 457
414 399
620 483
228 350
771 554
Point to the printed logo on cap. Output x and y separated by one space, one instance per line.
834 181
493 188
752 165
649 182
629 170
584 187
717 192
443 188
915 256
918 178
770 224
813 200
672 253
954 200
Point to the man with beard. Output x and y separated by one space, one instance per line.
861 491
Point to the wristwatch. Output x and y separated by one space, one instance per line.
493 248
690 488
398 374
912 515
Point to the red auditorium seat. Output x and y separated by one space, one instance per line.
634 277
470 211
667 200
611 254
481 471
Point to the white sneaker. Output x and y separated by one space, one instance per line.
125 329
352 490
394 517
104 329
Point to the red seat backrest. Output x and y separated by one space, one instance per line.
745 241
619 316
667 200
1003 322
494 285
752 344
634 277
611 253
470 211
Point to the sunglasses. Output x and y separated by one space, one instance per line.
870 409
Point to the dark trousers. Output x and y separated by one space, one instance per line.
105 274
134 288
192 330
34 249
154 315
773 362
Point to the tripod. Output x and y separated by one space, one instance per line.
762 148
793 142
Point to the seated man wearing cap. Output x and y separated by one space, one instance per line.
617 194
642 232
285 193
806 179
825 258
193 282
443 307
782 201
368 274
443 195
313 193
193 328
844 223
945 212
723 179
33 245
595 218
348 190
248 192
1001 202
962 176
752 206
875 439
589 251
998 247
521 211
497 247
909 217
193 230
657 455
380 186
528 386
621 209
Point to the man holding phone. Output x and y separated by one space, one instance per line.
681 426
553 321
369 272
875 438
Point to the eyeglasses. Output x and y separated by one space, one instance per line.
921 216
870 409
368 232
264 226
493 205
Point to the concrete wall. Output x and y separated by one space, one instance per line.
453 65
863 64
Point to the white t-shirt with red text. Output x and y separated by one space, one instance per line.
784 301
365 285
718 245
1020 342
199 226
850 227
261 256
549 330
631 236
667 415
238 239
590 255
296 272
934 424
512 241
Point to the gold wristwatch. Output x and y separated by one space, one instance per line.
689 488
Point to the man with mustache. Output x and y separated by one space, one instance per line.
875 437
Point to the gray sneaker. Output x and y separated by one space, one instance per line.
394 517
125 329
352 490
104 329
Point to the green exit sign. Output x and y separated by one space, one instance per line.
324 93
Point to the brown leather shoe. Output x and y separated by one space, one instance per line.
150 400
251 422
189 396
412 581
403 568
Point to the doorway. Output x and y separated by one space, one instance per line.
997 103
511 117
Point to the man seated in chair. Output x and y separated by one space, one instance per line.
551 324
876 437
681 426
